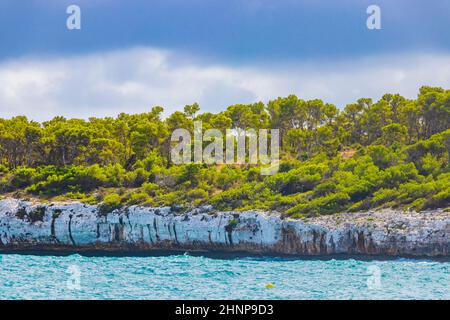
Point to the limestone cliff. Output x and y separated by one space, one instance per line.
77 227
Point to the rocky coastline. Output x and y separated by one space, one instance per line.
77 227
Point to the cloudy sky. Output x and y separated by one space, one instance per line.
133 54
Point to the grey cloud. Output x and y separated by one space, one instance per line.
133 80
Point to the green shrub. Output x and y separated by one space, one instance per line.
233 198
110 203
150 188
411 191
3 169
393 152
172 198
22 178
37 214
232 223
137 198
298 216
197 193
329 204
325 188
301 179
430 164
383 195
396 175
21 213
439 200
382 157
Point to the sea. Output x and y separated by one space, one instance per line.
186 276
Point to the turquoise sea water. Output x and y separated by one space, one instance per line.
196 277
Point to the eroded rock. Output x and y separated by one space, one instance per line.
77 227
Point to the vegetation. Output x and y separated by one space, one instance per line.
390 153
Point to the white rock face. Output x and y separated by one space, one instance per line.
78 227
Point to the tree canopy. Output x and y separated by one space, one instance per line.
393 152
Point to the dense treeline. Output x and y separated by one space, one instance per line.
392 152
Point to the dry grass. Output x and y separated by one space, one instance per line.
347 154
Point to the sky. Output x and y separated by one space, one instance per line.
130 55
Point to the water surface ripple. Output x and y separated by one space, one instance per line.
197 277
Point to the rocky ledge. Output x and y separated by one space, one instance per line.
77 227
